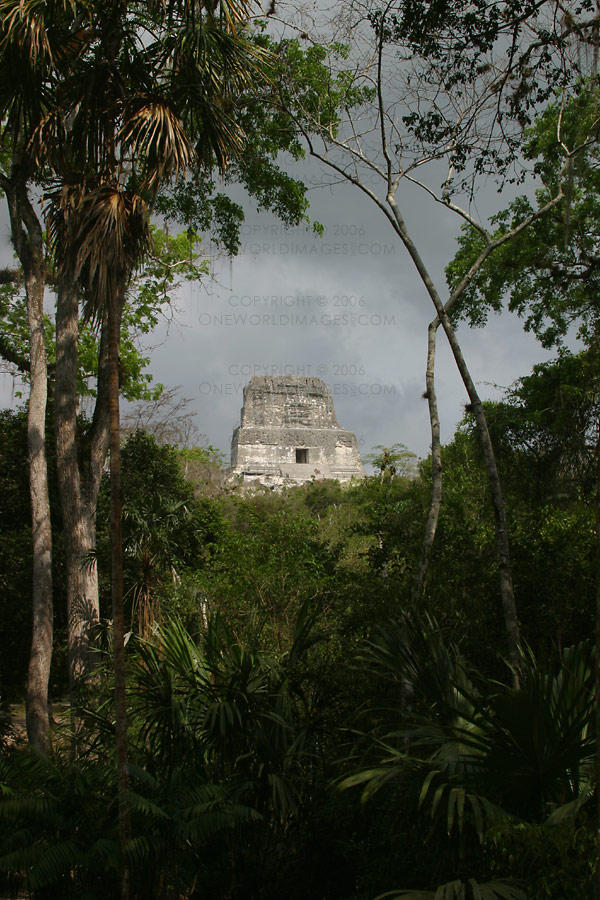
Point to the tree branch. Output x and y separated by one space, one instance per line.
8 352
10 276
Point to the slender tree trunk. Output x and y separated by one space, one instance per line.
38 675
82 586
511 622
114 308
436 464
79 477
28 242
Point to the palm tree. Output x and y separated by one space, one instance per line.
151 531
227 712
136 115
140 94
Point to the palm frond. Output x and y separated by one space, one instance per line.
55 822
52 861
231 14
50 132
211 69
499 889
154 135
452 802
25 24
98 236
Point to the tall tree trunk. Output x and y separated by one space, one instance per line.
38 674
436 464
79 475
114 311
82 590
511 622
28 242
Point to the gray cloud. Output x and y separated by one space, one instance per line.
347 307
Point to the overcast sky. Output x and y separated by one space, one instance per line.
347 307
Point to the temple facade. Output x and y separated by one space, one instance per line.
289 434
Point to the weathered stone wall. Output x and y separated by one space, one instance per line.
289 433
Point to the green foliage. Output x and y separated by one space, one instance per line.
268 131
242 718
453 45
206 455
394 460
275 670
174 258
321 496
204 468
16 555
220 703
166 531
555 860
240 721
58 831
486 755
389 526
192 202
548 421
315 87
59 835
545 437
14 331
270 561
549 272
544 433
463 890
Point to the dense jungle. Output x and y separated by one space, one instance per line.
297 724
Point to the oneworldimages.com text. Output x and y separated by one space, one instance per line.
317 248
292 320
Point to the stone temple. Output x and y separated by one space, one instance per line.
289 434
